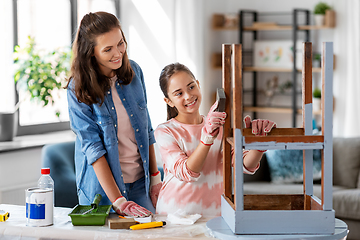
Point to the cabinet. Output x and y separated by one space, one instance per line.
253 26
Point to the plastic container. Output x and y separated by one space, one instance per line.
85 215
45 181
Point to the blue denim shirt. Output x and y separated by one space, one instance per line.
95 127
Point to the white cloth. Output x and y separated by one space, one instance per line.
180 217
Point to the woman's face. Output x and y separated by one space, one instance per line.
109 50
184 93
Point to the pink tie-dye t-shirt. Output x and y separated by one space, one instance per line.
182 188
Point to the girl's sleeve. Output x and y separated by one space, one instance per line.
173 157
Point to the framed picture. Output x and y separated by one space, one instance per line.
277 54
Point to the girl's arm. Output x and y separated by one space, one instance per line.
106 179
196 160
252 160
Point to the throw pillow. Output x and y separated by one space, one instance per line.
286 166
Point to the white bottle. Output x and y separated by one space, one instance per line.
45 181
46 188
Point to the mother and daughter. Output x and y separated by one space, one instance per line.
114 147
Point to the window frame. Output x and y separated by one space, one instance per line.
55 126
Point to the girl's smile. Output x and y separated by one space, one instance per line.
191 104
184 94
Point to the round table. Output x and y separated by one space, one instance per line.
221 230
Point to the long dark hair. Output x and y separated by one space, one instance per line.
165 76
90 84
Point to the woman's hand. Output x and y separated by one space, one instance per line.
129 208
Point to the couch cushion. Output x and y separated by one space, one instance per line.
291 188
346 203
286 166
346 161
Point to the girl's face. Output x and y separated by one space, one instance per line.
109 50
184 93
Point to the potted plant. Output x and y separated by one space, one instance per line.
319 13
317 60
37 73
316 99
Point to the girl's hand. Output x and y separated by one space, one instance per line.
260 127
129 208
155 186
213 121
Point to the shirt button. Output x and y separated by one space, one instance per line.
112 108
141 147
115 125
122 175
100 122
124 191
131 115
145 161
108 92
146 176
123 99
137 130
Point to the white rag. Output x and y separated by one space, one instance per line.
180 217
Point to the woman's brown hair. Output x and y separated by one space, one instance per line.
165 76
90 85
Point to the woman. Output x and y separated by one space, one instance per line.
114 151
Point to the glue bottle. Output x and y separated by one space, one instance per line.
45 181
46 187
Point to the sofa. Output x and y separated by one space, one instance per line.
346 179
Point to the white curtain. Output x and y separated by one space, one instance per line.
347 69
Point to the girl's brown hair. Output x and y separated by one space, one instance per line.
165 76
90 85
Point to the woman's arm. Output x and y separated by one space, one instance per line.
106 179
152 160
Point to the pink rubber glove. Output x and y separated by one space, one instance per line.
213 121
129 208
260 127
155 186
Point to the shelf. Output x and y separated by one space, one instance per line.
230 22
275 110
216 64
271 69
284 28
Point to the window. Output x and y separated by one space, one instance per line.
53 25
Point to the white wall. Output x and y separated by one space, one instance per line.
19 170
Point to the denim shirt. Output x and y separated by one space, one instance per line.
95 127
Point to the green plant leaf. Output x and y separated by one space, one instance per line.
39 72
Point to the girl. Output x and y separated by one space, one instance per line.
114 152
190 147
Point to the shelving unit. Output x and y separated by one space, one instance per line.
298 25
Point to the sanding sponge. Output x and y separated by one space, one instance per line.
221 98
